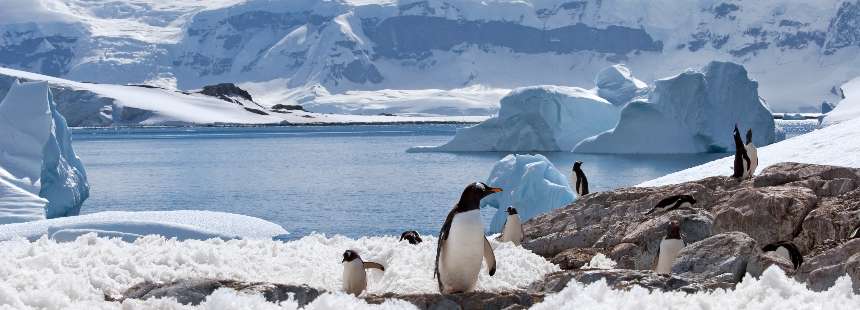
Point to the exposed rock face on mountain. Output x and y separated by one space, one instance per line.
814 206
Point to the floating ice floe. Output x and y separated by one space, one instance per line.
693 112
537 118
531 183
40 175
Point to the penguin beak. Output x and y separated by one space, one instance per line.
495 190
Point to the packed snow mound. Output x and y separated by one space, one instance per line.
833 145
849 107
693 112
537 118
617 85
79 274
129 226
531 183
37 157
773 290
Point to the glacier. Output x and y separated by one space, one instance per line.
536 118
693 112
848 108
37 157
531 183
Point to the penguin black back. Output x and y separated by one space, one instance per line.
749 136
740 154
793 251
411 236
581 186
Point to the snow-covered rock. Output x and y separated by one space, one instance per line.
848 108
531 183
617 85
537 118
693 112
129 226
37 157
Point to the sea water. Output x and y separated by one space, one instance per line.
349 180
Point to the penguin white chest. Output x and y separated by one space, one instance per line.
462 252
749 170
782 251
354 277
513 230
669 249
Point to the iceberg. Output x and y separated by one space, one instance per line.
36 158
617 85
531 183
693 112
537 118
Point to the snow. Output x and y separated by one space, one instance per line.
37 158
53 275
693 112
600 261
530 183
617 84
773 290
181 224
849 107
537 118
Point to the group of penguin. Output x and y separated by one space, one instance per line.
462 244
461 248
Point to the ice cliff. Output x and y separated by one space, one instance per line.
40 175
693 112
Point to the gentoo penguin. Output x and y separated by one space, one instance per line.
752 154
787 250
462 243
354 276
411 236
855 233
578 180
513 229
673 202
670 246
742 159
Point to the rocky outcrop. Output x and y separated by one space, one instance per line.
813 206
621 279
228 92
195 291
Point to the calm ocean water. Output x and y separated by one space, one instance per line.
350 180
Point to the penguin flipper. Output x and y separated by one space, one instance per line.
443 236
368 265
489 257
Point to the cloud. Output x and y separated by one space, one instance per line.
26 11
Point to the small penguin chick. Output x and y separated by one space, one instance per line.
354 276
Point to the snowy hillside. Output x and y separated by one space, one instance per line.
298 51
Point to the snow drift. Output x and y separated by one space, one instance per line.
531 184
51 275
129 226
848 108
693 112
537 118
37 158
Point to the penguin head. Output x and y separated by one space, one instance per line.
512 211
674 230
350 255
577 165
411 236
472 195
749 136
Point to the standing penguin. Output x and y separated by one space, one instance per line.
354 276
670 246
752 154
578 180
673 202
513 229
742 159
787 250
462 243
411 236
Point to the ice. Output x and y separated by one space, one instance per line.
693 112
537 118
180 224
600 261
617 85
531 183
57 275
849 107
773 290
37 157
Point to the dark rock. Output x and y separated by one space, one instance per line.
622 279
820 272
195 291
767 214
726 253
574 258
465 301
287 107
256 111
227 91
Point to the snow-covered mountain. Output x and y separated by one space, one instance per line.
304 51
